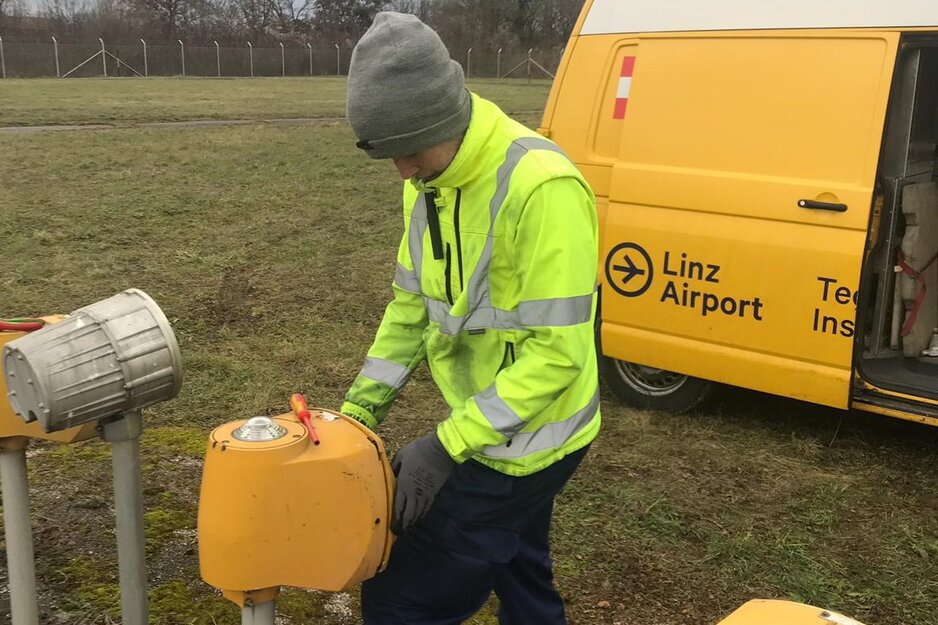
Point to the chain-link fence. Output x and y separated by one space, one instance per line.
34 60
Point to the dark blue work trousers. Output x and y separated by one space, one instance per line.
486 532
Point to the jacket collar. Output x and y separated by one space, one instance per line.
466 165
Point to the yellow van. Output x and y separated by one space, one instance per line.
766 181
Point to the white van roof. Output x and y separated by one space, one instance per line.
642 16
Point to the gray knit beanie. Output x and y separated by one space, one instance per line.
404 92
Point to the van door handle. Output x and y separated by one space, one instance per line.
823 206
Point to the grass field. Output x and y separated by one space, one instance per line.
271 248
26 102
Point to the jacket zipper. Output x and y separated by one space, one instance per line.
448 271
433 223
448 275
458 239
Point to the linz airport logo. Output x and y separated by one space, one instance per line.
629 270
694 284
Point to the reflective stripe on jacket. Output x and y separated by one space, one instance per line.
495 288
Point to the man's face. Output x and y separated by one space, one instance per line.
429 163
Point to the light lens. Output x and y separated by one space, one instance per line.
260 429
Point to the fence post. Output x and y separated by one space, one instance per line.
103 57
251 56
498 64
55 46
529 65
338 61
310 46
3 63
468 62
217 58
146 69
182 51
283 62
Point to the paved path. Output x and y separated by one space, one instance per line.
195 123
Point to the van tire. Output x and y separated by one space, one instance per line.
648 388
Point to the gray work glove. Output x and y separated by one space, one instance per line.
422 466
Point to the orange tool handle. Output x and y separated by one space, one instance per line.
299 406
301 410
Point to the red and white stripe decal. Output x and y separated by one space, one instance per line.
625 86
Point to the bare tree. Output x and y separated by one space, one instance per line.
420 8
552 21
258 16
11 11
66 17
478 23
163 15
345 19
482 24
294 16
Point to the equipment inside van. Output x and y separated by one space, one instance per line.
766 183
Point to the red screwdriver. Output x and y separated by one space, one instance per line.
301 410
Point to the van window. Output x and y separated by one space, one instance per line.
924 130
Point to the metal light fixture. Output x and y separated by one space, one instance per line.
103 363
110 358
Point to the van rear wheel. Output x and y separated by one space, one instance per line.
654 389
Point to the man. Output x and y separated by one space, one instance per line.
495 289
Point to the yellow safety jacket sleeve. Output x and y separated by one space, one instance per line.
555 254
397 350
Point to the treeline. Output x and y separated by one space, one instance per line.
483 24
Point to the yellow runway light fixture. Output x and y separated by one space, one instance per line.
11 425
770 612
94 370
278 509
14 438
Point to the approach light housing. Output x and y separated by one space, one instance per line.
110 358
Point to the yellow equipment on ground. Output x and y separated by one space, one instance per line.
277 509
769 612
14 432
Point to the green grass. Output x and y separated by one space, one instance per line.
36 102
271 249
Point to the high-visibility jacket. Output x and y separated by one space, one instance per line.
496 288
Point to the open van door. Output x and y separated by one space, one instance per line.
897 354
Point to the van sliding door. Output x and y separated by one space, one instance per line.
739 206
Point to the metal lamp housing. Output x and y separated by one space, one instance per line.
114 356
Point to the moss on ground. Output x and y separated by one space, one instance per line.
180 603
159 442
82 456
93 586
160 524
